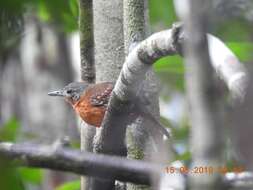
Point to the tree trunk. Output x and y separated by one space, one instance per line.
109 53
87 72
136 27
204 98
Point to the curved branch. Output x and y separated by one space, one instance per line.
141 58
169 42
133 72
228 67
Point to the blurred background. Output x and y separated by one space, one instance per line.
39 51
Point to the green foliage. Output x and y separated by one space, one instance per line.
14 6
8 132
73 185
15 178
186 156
234 30
162 12
73 5
9 178
31 175
170 64
243 50
63 13
181 133
171 69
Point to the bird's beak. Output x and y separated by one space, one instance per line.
56 93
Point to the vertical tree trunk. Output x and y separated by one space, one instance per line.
136 26
87 72
109 39
109 55
204 99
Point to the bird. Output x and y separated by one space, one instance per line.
90 102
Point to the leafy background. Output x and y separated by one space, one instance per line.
64 15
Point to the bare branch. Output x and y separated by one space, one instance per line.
170 42
84 163
228 67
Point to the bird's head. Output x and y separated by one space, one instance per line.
72 92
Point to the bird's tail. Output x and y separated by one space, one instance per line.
156 124
142 106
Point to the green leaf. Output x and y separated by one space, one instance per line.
73 185
162 12
9 178
170 64
13 6
186 156
170 70
180 133
73 7
9 131
31 175
243 50
70 24
62 13
236 30
43 11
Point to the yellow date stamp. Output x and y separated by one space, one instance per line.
204 169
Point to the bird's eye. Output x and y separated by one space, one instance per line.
69 91
76 97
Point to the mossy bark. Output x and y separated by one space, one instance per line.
87 71
136 24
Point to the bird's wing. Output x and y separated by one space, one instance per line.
101 94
